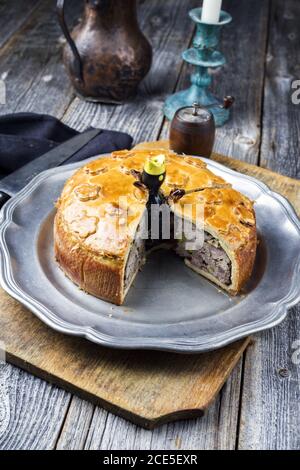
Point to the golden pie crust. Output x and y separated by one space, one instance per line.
100 209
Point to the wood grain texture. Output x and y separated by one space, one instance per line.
35 410
109 432
77 425
270 413
32 86
169 29
270 403
12 19
215 430
138 120
244 44
284 185
31 62
139 117
148 388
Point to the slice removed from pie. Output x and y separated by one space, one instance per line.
99 231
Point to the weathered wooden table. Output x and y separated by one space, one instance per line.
259 408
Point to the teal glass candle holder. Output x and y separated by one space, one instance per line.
204 56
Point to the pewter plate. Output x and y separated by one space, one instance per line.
169 307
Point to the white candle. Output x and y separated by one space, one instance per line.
211 11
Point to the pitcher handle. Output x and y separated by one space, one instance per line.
77 64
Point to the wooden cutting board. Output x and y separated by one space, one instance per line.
148 388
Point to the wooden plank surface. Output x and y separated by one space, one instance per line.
90 427
31 61
34 410
281 118
213 430
284 185
169 28
243 146
134 124
156 20
180 386
242 77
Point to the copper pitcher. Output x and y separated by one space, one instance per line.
106 55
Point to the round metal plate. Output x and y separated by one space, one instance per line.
169 307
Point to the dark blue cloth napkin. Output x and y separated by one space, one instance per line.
25 136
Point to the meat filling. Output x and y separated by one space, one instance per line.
211 258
